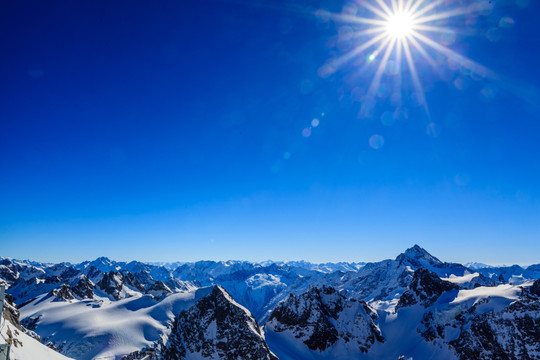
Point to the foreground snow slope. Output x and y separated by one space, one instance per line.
24 347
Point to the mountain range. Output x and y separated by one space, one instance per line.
414 306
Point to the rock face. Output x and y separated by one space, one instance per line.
112 283
216 327
487 330
83 288
63 293
118 284
425 288
11 313
321 318
513 333
535 288
159 289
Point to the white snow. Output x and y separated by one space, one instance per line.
25 347
506 291
461 279
100 327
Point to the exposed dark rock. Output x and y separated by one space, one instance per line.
425 288
312 316
31 322
63 293
53 280
7 273
216 327
512 333
111 283
158 289
11 313
535 288
83 288
132 281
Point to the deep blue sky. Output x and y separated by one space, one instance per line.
173 130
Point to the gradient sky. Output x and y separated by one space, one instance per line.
178 131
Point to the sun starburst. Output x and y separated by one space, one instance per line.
402 31
400 25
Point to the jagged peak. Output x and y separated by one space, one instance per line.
418 253
102 260
219 292
213 292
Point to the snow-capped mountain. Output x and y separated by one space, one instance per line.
434 318
502 323
409 306
215 327
323 267
324 321
257 287
381 284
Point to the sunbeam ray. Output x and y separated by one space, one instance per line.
356 20
348 56
378 75
363 33
394 6
385 7
424 53
436 29
414 74
427 8
374 10
439 16
450 53
413 5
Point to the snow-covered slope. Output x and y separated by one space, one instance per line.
100 327
84 329
24 344
24 347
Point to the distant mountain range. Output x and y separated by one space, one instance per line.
414 306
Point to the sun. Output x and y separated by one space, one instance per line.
402 34
400 25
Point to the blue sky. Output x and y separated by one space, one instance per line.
177 131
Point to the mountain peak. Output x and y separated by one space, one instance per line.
103 260
196 330
419 254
